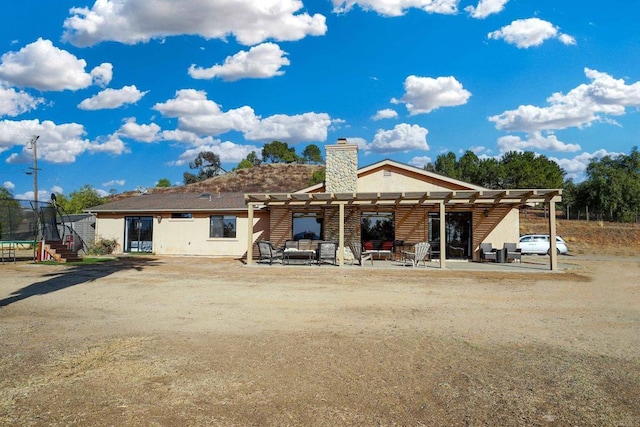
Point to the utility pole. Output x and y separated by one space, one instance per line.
34 171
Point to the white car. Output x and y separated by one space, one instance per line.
539 244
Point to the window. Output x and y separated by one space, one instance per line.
377 226
222 226
181 215
307 226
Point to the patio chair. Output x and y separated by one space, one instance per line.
268 252
304 244
488 252
291 244
327 252
513 252
358 254
419 254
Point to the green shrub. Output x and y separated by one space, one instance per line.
103 247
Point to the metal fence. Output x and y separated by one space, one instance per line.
18 220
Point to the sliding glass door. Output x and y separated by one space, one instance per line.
138 234
458 234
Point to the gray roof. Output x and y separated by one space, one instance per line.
77 217
175 202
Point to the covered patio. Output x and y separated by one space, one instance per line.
481 203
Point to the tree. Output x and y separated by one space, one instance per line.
528 170
207 164
250 161
312 154
317 177
469 167
163 183
276 152
490 174
613 186
513 170
446 165
79 200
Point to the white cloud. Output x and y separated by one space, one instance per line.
57 144
525 33
425 94
567 39
486 8
477 149
112 98
102 74
43 194
387 113
9 185
112 145
293 129
420 161
201 116
577 166
133 21
57 189
403 137
115 183
228 152
534 141
398 7
14 103
142 133
43 66
260 62
581 106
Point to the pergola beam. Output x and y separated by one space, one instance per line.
390 199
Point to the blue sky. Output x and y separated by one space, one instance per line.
123 93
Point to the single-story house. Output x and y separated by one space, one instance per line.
385 201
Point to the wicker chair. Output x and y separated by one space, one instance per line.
488 252
513 252
268 252
327 252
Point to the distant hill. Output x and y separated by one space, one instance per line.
266 178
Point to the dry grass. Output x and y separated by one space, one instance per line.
266 178
589 237
191 342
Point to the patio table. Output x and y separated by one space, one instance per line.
308 256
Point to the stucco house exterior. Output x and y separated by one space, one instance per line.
387 200
206 224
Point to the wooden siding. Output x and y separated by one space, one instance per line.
411 224
483 225
280 225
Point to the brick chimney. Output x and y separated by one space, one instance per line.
341 171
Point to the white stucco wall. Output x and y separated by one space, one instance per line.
184 236
393 181
507 230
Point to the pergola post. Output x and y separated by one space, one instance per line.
553 252
341 236
443 237
250 235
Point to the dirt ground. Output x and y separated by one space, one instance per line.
193 341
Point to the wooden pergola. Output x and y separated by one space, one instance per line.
443 199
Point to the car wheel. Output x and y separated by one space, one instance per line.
549 251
